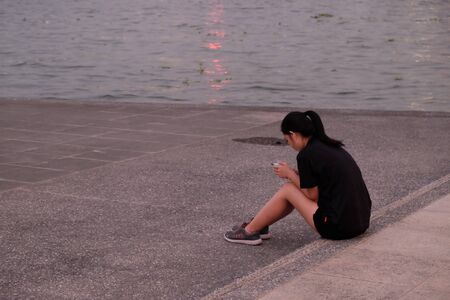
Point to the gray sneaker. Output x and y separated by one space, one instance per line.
240 236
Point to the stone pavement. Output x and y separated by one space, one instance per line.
119 200
408 260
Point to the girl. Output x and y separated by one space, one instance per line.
328 190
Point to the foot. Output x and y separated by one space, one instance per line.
240 236
263 233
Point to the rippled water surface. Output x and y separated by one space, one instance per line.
322 54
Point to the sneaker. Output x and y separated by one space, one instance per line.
264 233
240 236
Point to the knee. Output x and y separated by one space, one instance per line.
286 189
288 186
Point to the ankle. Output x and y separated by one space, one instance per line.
249 231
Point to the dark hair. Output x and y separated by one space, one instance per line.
307 124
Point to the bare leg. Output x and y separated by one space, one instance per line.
282 203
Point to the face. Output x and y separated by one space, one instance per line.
297 141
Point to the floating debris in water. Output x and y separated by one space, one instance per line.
201 68
188 82
324 15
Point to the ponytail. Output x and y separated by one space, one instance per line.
308 124
319 131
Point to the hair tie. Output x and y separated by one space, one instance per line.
309 118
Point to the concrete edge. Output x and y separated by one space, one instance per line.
163 105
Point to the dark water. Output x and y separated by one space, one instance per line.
322 54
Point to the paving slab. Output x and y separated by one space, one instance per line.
433 245
119 144
317 286
37 136
148 222
109 154
170 139
85 130
57 150
28 174
6 185
12 145
71 164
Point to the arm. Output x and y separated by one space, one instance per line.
311 193
293 177
283 170
286 172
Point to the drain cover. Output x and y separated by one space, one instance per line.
271 141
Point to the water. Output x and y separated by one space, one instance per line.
388 55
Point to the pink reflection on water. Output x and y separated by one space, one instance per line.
219 68
214 46
213 101
217 33
216 71
215 14
217 75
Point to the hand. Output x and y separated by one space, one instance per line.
283 170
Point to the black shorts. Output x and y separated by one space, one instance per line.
329 230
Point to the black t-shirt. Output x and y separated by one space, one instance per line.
343 195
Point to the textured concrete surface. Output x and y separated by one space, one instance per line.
407 260
129 200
